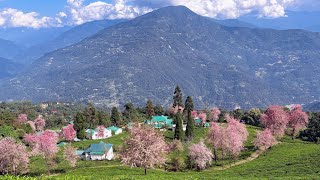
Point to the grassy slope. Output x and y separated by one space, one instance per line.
289 159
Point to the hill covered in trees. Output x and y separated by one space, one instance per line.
147 56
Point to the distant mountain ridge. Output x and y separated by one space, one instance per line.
8 68
67 38
148 56
9 49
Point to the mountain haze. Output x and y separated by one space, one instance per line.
67 38
148 56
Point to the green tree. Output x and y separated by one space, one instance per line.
8 131
90 114
115 116
80 124
177 97
149 109
103 119
158 110
178 133
190 122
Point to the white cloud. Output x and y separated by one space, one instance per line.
119 9
14 18
77 12
236 8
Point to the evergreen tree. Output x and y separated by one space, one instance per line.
149 109
190 122
115 116
90 114
103 118
178 133
158 110
80 125
177 97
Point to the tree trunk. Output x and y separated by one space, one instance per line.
292 134
145 171
215 155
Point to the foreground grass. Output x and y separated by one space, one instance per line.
287 160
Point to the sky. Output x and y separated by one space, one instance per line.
57 13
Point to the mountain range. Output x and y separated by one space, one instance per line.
64 39
8 68
148 56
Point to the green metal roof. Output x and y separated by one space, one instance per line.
159 118
98 149
197 121
206 125
90 131
62 144
113 128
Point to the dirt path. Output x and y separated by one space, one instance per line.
253 156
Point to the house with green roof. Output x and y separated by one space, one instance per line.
160 122
115 130
98 151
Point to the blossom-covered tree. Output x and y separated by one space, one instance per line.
44 144
175 145
275 119
100 130
203 118
215 137
297 119
22 118
145 147
70 155
32 125
69 133
235 136
40 123
264 140
14 157
175 110
200 155
194 114
215 112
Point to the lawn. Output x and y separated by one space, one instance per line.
287 160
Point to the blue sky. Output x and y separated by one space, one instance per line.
55 13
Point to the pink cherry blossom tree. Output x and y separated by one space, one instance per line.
70 155
275 119
215 138
203 118
100 130
40 123
264 140
32 125
194 114
14 157
175 110
44 144
215 112
297 119
235 136
22 118
145 147
200 155
69 133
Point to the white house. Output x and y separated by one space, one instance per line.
98 151
115 129
94 134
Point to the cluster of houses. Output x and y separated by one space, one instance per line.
163 122
94 133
